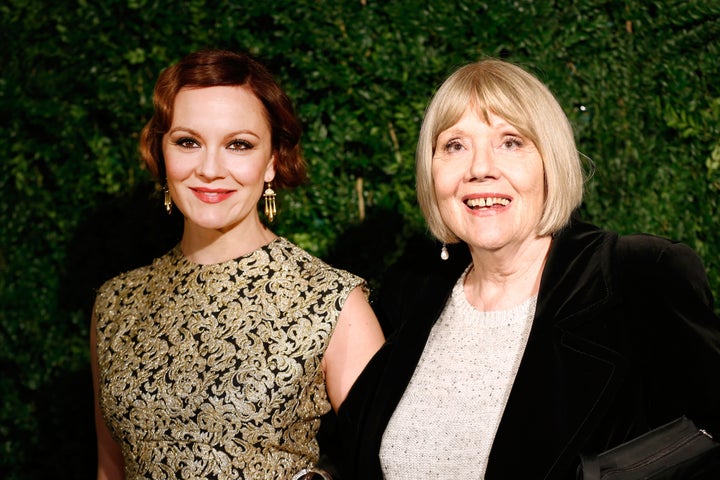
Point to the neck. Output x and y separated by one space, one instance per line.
209 246
501 279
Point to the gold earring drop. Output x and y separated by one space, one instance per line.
168 200
269 197
444 254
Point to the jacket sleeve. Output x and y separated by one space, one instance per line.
669 288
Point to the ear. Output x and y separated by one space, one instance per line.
270 170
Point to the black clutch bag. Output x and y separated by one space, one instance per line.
677 450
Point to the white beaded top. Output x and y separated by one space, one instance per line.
446 421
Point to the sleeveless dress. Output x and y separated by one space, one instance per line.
214 371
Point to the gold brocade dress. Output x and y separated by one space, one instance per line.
213 371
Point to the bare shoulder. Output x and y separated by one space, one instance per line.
357 337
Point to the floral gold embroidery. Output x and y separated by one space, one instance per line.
213 371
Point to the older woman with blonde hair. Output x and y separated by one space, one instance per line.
532 339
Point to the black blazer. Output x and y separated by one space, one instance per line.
624 339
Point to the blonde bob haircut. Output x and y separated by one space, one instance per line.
526 103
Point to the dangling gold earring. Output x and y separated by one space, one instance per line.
444 254
269 197
168 200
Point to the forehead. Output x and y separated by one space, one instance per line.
473 118
221 103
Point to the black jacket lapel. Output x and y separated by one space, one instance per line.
567 369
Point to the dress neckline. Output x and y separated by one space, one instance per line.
180 259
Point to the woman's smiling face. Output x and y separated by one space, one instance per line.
489 182
218 155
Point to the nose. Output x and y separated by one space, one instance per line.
210 164
482 164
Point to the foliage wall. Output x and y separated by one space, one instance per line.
638 79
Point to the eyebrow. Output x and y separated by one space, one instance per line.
193 132
452 132
503 125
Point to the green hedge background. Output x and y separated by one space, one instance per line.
638 78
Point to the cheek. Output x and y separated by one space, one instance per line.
539 187
246 172
173 166
444 186
527 179
438 179
176 170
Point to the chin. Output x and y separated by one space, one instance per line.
488 242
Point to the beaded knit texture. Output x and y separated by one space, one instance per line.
214 371
446 421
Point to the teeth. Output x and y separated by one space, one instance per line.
487 202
